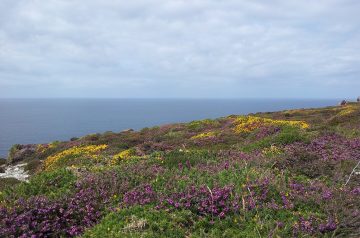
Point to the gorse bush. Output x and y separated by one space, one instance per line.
204 135
123 155
67 157
244 124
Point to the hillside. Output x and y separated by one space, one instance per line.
275 174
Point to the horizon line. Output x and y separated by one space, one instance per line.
187 98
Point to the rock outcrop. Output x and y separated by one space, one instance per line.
20 152
15 171
128 130
343 103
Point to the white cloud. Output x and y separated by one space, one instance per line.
171 48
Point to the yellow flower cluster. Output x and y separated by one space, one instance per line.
73 152
250 123
126 154
272 150
203 135
41 148
347 111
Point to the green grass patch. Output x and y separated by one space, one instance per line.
51 184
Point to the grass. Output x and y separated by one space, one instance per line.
51 184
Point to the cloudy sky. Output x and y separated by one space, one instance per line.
180 48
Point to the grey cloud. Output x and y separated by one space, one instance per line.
151 48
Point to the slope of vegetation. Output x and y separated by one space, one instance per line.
281 174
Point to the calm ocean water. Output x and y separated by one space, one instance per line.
25 121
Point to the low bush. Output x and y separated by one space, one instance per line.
2 161
51 184
7 183
289 135
33 166
143 222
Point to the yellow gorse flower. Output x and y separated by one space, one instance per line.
272 150
41 148
204 135
347 111
251 123
126 154
76 151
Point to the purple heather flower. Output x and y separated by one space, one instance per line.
226 166
356 191
286 202
306 225
180 165
327 195
280 224
328 227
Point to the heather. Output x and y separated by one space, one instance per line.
281 174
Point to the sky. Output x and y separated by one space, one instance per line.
180 48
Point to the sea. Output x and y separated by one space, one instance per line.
33 121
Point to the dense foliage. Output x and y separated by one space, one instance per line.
282 174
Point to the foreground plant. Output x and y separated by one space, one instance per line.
90 152
245 124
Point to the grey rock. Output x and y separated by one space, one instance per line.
2 170
128 130
20 152
16 172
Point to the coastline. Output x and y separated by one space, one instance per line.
41 120
226 174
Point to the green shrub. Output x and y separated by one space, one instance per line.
143 222
32 166
91 137
192 157
51 184
12 152
289 135
174 135
202 124
7 183
258 145
2 161
149 222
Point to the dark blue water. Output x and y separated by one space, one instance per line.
25 121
